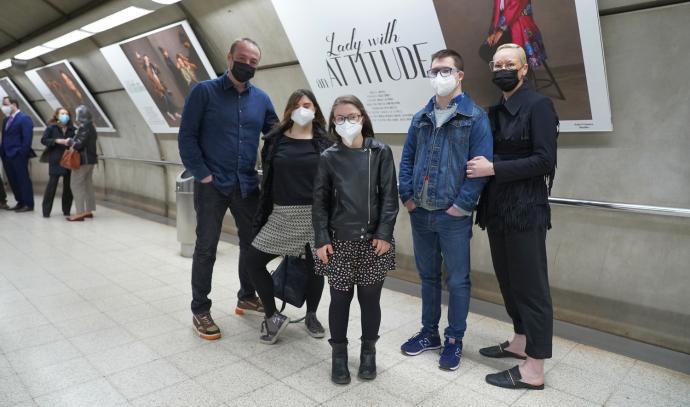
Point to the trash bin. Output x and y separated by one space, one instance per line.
186 215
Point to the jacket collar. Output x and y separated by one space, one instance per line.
515 102
227 84
463 102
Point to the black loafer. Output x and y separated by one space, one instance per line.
510 379
499 351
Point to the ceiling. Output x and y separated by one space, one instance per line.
23 20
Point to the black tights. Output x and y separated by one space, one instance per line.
263 282
369 297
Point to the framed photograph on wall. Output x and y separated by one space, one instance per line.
61 87
7 88
157 69
382 54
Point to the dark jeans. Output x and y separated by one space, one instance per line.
257 261
17 170
211 205
519 260
369 297
49 194
438 236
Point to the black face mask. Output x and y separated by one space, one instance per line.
505 79
242 72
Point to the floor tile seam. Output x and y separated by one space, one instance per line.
308 366
108 379
99 376
347 388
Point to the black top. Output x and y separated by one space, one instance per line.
295 164
85 142
525 129
355 194
54 151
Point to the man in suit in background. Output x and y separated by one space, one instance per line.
15 151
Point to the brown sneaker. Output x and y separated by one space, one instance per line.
250 306
205 327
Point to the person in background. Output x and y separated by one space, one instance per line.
514 209
15 152
282 225
354 212
443 137
3 195
55 138
218 140
81 181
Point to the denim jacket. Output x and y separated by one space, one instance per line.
440 156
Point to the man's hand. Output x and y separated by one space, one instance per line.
207 180
453 211
410 205
381 246
323 252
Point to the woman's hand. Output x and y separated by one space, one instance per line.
61 141
380 246
479 167
323 252
493 38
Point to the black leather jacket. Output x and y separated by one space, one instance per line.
355 194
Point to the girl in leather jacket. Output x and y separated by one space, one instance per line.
354 211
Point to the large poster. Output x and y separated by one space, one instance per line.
8 89
381 53
61 87
157 69
375 50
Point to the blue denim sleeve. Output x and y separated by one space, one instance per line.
406 189
188 138
481 144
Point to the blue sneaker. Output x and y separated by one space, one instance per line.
450 355
422 341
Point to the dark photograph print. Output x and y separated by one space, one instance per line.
168 65
69 91
8 89
547 30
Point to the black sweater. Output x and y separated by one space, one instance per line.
525 129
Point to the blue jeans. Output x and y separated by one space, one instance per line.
437 235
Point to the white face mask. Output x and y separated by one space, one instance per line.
6 110
444 86
302 116
348 131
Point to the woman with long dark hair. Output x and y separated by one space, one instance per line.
283 225
55 138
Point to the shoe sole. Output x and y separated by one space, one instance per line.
280 331
420 352
207 337
317 335
242 311
449 369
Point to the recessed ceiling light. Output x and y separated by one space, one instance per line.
33 52
115 19
67 39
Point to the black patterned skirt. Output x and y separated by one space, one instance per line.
355 262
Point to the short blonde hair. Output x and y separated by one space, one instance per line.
519 49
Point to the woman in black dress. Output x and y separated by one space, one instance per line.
514 208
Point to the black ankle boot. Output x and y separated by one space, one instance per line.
367 360
339 371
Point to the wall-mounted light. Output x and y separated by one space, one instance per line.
33 52
69 38
115 19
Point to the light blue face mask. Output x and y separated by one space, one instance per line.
63 118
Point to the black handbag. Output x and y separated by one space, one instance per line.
290 280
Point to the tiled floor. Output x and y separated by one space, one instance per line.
96 314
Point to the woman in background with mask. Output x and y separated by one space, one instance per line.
55 139
84 141
354 212
514 208
282 225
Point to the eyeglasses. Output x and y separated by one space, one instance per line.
506 66
352 119
444 72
